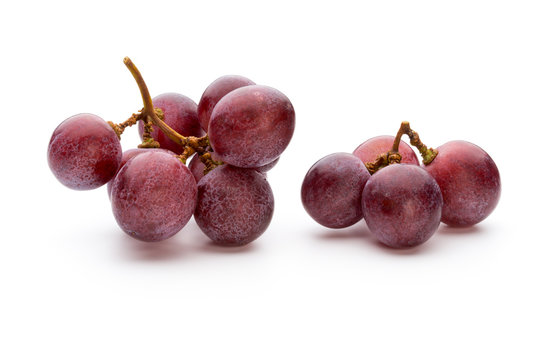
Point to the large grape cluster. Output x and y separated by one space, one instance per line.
233 136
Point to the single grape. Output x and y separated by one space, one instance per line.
234 205
469 180
215 91
197 167
84 152
251 126
153 196
180 113
370 149
332 190
128 155
402 205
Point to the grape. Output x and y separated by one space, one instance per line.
215 91
332 190
180 113
370 149
153 196
251 126
128 155
234 205
84 152
197 167
469 180
402 205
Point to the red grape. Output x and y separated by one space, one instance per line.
128 155
153 196
197 167
402 205
469 181
180 113
84 152
215 91
370 149
332 190
251 126
234 205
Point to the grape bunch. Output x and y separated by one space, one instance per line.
401 200
233 136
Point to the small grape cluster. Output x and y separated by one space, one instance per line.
233 136
402 201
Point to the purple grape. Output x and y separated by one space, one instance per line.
332 190
402 205
84 152
370 149
153 196
215 91
469 180
234 205
197 167
180 113
128 155
251 126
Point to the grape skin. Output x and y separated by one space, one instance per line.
196 167
332 190
370 149
84 152
251 126
128 155
214 92
234 206
402 205
469 181
153 196
180 113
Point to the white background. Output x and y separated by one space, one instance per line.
73 286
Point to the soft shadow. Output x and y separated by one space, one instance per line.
210 247
445 230
354 232
420 249
138 250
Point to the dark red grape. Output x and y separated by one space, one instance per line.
370 149
469 180
128 155
180 113
153 196
251 126
332 190
402 205
197 167
215 91
234 205
84 152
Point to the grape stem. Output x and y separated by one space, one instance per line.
394 157
150 115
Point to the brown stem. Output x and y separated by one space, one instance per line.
150 115
393 156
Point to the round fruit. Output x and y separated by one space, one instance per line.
332 190
402 205
251 126
84 152
469 181
153 196
234 205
